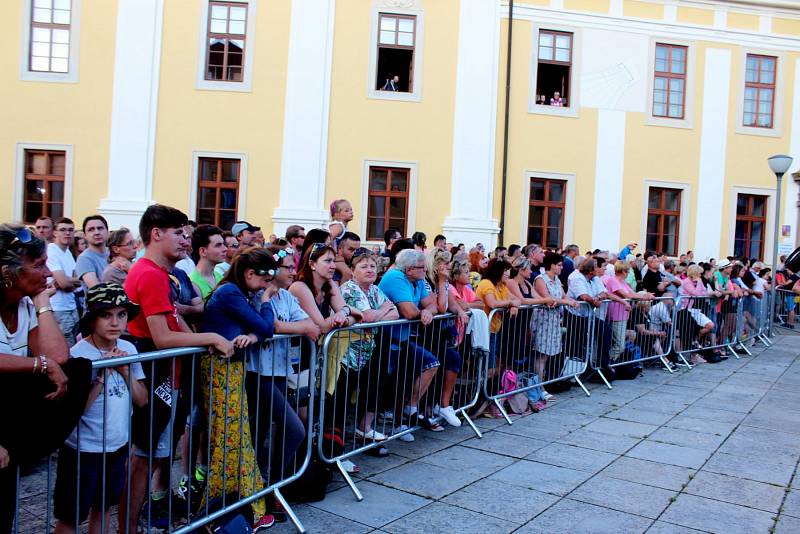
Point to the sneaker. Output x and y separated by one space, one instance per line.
371 434
680 363
408 438
436 410
350 467
449 415
266 521
387 415
429 424
671 366
547 396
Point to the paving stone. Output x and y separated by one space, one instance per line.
316 520
667 453
623 496
787 525
631 413
541 477
507 444
671 477
427 481
662 527
701 425
615 427
599 441
716 516
576 516
749 441
573 457
791 505
441 517
736 491
713 414
505 501
381 505
758 469
687 438
422 446
371 465
482 463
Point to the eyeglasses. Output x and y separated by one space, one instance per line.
22 236
417 267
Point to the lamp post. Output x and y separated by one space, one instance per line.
778 164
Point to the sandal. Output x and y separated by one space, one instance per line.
378 452
429 424
350 467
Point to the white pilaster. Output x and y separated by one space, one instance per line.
134 105
711 175
609 170
470 219
306 112
789 215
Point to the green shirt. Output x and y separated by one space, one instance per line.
202 284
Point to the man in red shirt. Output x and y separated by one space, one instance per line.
158 326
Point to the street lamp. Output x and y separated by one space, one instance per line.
778 164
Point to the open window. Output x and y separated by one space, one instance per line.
554 68
396 48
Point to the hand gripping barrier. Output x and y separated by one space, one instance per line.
629 333
381 381
242 436
541 345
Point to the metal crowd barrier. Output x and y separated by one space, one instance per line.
725 314
541 345
631 334
201 403
754 321
786 304
372 374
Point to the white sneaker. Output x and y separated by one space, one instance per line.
370 434
547 396
436 410
387 415
449 415
408 438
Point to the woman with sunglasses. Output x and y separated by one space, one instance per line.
47 391
121 251
232 462
268 366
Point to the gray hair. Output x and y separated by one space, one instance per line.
408 258
13 256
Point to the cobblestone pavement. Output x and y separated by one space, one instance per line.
714 449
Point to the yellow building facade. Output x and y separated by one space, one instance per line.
622 120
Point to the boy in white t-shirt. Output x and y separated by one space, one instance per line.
61 263
92 462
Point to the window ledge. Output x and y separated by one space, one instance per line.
48 77
685 124
395 95
554 111
761 132
219 85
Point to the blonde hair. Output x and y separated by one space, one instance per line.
620 267
433 259
694 271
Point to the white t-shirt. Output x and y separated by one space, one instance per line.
61 260
17 343
117 410
186 265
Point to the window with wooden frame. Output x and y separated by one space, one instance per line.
751 222
669 83
396 47
44 184
759 91
387 201
554 68
546 206
227 31
663 220
50 36
218 191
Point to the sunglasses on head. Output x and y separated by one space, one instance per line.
361 251
317 246
265 272
22 236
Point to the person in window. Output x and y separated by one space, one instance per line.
557 101
43 394
392 83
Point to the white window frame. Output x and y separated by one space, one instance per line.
780 86
19 175
419 40
569 203
768 192
575 79
71 76
241 212
245 86
411 219
685 211
687 122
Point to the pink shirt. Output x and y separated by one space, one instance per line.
616 311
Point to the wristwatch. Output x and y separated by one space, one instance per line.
43 309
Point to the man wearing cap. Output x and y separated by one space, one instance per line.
245 233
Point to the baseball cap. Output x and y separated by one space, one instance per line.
241 226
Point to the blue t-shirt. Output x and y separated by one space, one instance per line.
399 289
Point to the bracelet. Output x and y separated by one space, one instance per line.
43 360
35 365
347 313
43 309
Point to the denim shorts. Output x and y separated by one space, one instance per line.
410 354
89 490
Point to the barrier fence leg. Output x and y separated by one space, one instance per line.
684 360
765 340
502 410
744 348
603 377
578 380
289 512
349 481
666 364
730 348
471 424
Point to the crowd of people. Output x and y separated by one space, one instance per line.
70 298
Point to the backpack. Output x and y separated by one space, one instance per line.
632 369
237 521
